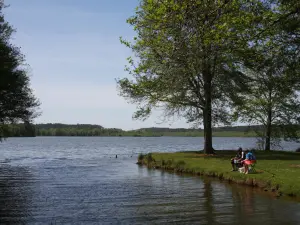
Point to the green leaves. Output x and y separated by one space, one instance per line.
17 102
200 59
272 100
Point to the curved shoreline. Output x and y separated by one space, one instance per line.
194 163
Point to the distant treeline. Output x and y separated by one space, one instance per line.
57 129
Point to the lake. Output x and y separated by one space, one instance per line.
78 180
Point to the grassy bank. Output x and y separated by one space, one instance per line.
278 171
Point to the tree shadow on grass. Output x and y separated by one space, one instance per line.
260 155
277 155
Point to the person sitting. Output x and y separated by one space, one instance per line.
236 162
250 160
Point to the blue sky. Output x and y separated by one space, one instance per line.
75 55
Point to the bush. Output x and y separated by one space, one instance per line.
298 149
141 157
169 162
149 158
180 164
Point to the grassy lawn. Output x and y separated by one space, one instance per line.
276 171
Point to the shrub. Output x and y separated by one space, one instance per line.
141 157
298 149
180 164
149 158
169 162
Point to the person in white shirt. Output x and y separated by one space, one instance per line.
237 160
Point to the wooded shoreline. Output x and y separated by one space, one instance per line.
57 129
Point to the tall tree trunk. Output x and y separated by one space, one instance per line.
269 122
268 131
207 118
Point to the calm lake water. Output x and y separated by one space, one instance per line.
78 180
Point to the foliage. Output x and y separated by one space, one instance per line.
17 102
273 68
180 164
141 157
75 130
57 129
185 54
273 103
288 20
149 158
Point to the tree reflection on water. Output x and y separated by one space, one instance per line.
15 195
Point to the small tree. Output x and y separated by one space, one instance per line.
272 63
17 102
273 99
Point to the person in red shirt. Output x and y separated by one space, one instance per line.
250 160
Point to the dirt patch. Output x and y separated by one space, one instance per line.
295 165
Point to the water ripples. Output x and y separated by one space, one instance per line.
57 182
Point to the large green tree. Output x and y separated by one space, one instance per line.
17 102
184 58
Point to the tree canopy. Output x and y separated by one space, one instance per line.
17 102
205 60
273 66
185 58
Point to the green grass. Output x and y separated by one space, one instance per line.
277 171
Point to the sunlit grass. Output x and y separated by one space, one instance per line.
276 170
